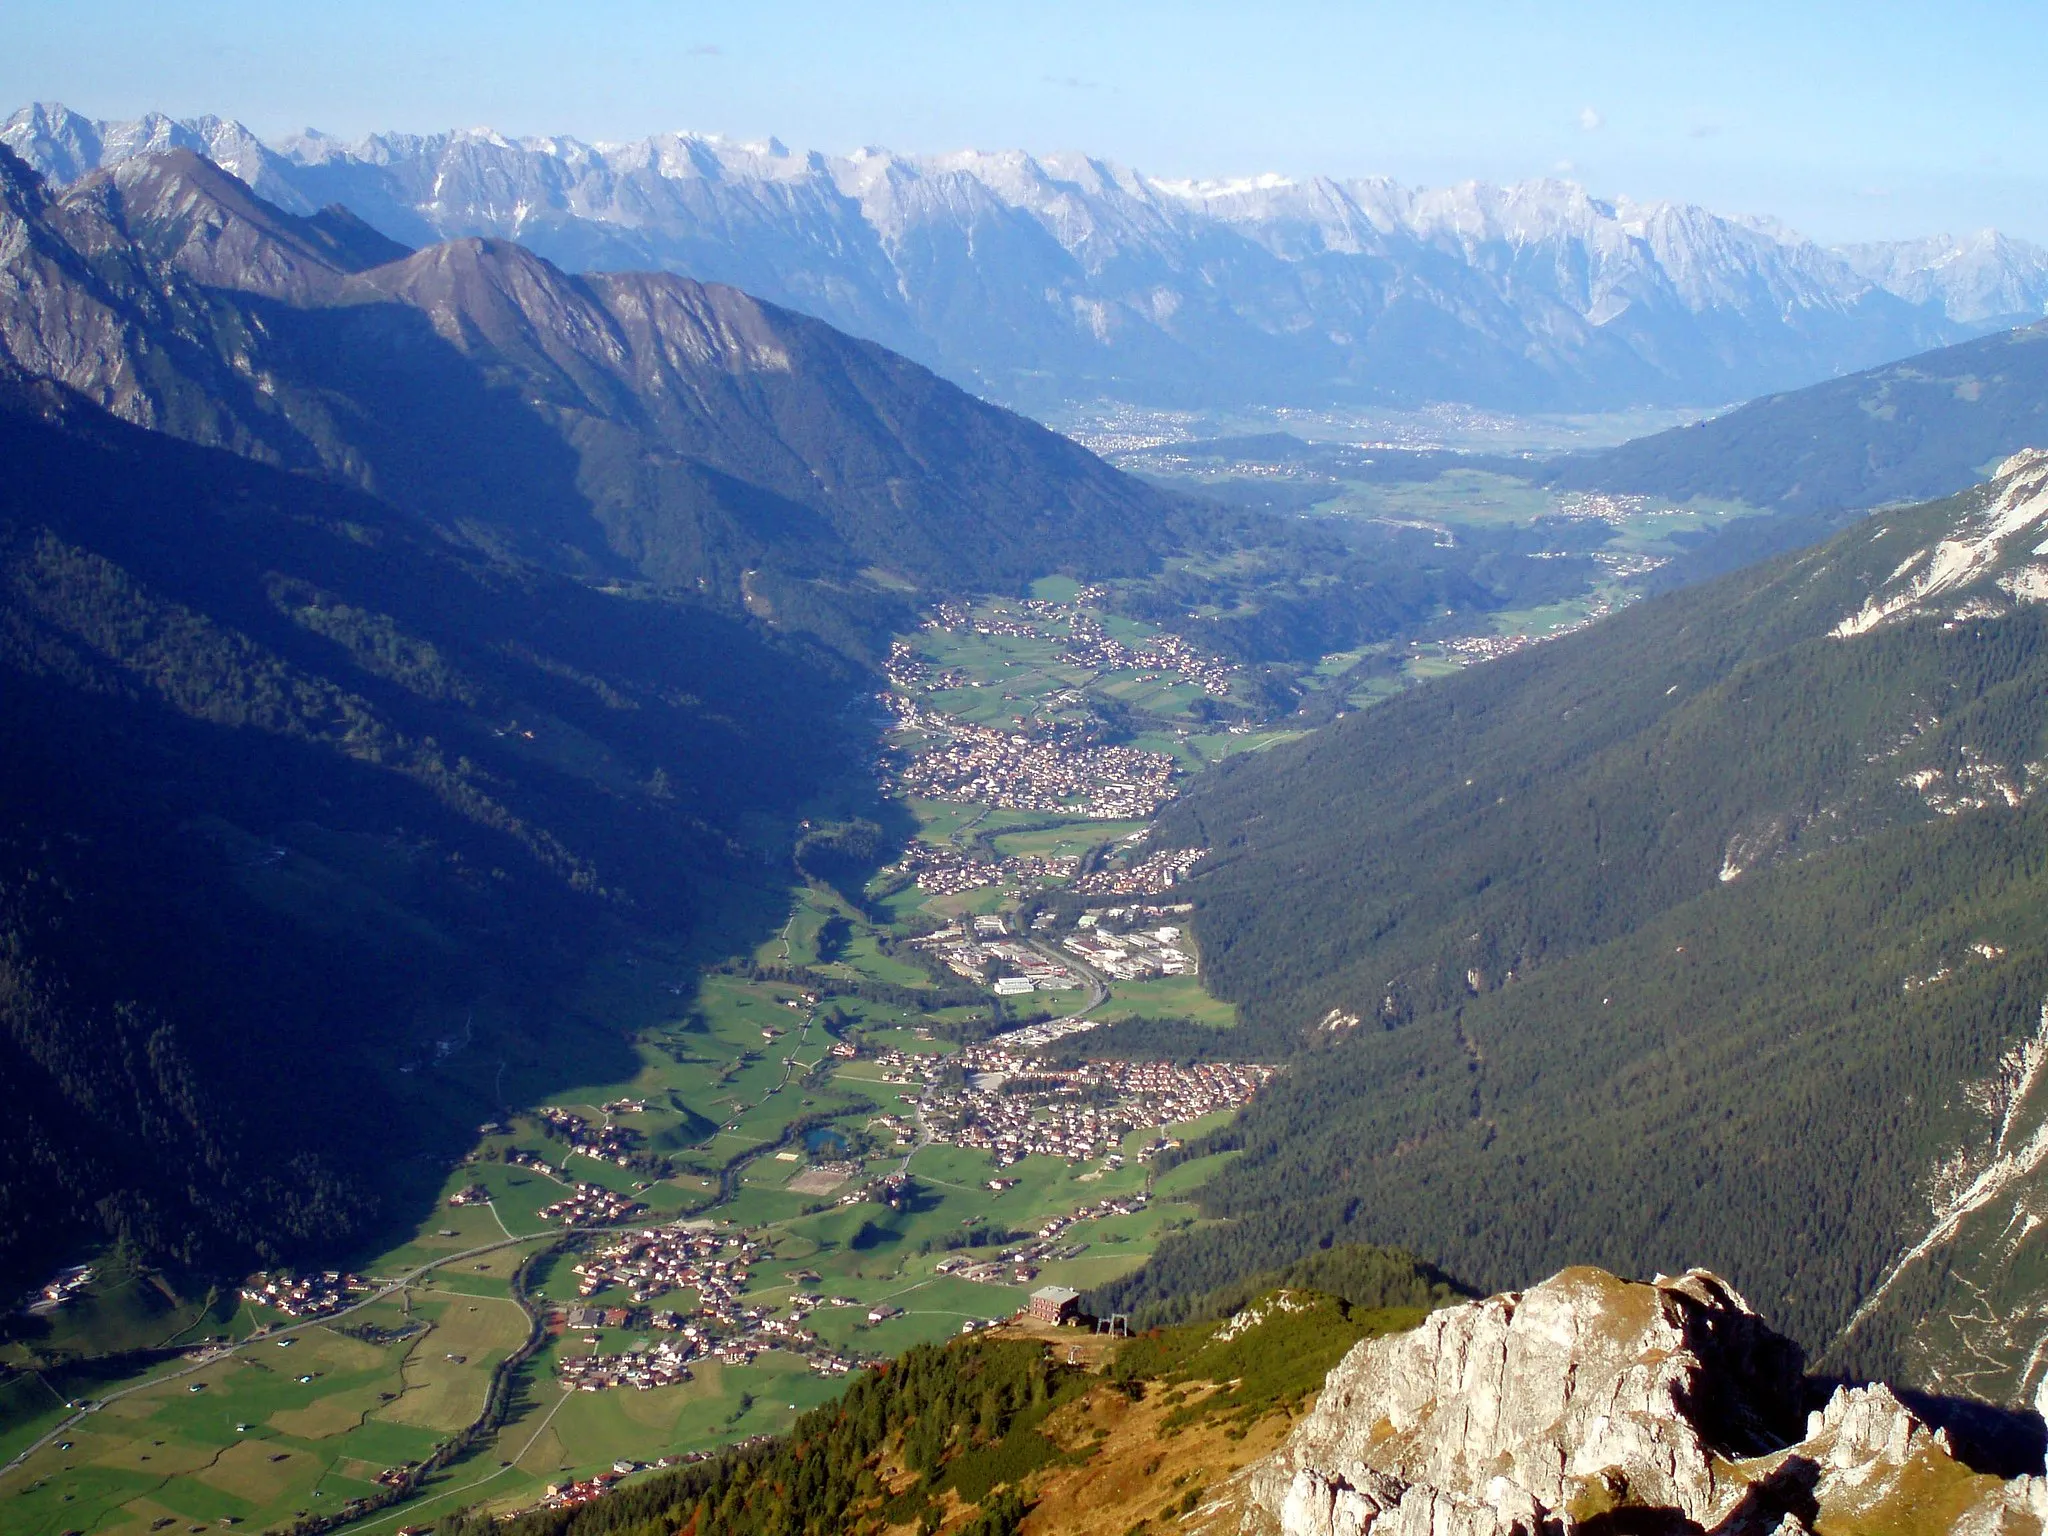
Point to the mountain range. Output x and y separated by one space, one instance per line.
638 426
1039 281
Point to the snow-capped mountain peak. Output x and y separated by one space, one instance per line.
1040 278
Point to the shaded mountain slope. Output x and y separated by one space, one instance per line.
1706 935
617 425
1928 426
288 780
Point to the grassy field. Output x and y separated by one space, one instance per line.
1165 997
282 1428
718 1070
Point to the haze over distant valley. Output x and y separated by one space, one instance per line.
666 803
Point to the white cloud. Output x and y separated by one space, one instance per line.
1590 119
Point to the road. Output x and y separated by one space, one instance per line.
214 1357
1098 994
1098 989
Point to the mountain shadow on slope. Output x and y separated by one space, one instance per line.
631 423
303 809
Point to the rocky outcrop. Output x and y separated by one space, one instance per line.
1591 1402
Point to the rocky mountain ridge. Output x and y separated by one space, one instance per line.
1588 1403
639 425
1045 278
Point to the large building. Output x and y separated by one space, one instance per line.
1053 1303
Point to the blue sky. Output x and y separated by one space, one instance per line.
1848 121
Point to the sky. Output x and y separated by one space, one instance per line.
1847 121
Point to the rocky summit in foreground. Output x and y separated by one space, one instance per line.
1592 1403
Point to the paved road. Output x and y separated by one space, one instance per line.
214 1357
1098 989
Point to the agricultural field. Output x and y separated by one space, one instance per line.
285 1427
762 1099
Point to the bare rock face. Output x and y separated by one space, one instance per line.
1595 1402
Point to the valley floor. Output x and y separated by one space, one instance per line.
806 1163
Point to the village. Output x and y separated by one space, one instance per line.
303 1296
1012 1107
1055 771
605 1143
1153 875
1088 644
689 1256
943 871
723 1325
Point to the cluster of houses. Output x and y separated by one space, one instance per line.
1156 872
658 1260
568 1495
1012 1107
974 948
942 871
732 1335
908 672
66 1286
572 1495
1150 658
1089 644
1018 1265
303 1295
1605 506
1052 771
591 1205
519 1157
1135 954
604 1143
664 1364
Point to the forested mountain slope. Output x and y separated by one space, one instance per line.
619 425
1707 936
296 796
1928 426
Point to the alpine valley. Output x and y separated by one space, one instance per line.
621 902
